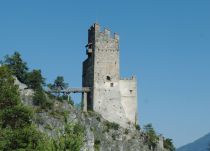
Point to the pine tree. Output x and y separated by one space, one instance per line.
17 66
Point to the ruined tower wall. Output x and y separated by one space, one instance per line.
128 90
107 98
109 95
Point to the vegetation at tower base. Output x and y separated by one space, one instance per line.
168 144
152 138
45 123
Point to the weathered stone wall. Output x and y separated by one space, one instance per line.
106 78
128 90
101 73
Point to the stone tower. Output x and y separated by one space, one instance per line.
115 99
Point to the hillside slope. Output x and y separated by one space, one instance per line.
201 144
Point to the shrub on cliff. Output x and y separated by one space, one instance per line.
71 138
168 144
151 136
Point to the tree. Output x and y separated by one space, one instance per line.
59 83
168 144
9 94
152 138
35 80
16 129
17 66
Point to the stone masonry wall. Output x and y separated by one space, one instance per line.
128 90
101 73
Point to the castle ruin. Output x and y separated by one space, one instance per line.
112 97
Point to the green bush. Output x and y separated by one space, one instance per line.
97 144
111 125
152 138
168 144
41 100
24 139
72 138
16 117
98 118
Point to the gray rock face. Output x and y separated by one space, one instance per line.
100 135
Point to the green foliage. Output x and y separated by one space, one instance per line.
72 139
97 144
22 139
16 130
60 114
137 127
41 100
168 144
152 138
98 118
17 66
58 85
111 125
9 94
35 80
16 117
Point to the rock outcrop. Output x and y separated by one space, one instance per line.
100 135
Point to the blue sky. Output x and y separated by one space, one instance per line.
166 44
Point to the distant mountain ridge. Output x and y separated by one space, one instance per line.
201 144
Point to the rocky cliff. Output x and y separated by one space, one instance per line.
100 135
